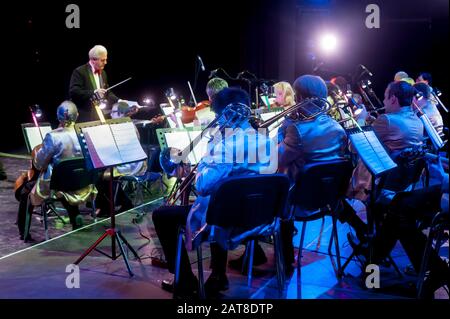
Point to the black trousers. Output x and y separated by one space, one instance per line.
72 211
400 223
167 221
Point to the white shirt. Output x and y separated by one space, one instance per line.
96 77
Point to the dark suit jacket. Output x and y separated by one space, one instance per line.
81 90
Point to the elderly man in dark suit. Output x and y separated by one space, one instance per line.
90 79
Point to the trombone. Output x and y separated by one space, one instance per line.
231 117
305 110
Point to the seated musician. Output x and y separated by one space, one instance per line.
203 114
400 224
211 170
318 139
428 107
399 128
59 144
284 94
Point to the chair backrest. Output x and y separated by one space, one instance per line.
407 172
321 184
248 201
71 175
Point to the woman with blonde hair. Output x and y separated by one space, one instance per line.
284 94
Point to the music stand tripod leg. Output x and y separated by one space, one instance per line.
123 239
88 251
125 258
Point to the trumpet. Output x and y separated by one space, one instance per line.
303 111
231 117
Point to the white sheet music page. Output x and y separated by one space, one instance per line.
34 137
102 146
127 142
372 152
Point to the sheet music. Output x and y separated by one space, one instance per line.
273 129
101 145
181 140
127 142
34 137
372 152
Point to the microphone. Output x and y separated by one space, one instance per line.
213 73
366 70
317 67
202 66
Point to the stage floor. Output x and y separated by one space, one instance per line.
38 271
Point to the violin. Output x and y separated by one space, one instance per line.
188 112
30 175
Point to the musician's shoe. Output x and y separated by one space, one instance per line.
29 239
216 283
186 288
259 258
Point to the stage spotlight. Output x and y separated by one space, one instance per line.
328 43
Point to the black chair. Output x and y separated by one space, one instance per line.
239 205
67 176
438 228
319 192
408 172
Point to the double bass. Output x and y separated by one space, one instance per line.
30 175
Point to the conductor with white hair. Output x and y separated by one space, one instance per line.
90 79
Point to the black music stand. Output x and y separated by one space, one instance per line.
378 162
106 145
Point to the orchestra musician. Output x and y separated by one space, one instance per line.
428 107
91 80
59 144
284 94
399 128
211 169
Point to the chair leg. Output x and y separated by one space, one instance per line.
424 265
279 263
178 260
334 238
244 261
299 260
250 263
44 216
201 284
320 234
392 262
28 214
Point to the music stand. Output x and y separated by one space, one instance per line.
378 162
34 135
106 145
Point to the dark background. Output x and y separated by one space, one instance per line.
156 42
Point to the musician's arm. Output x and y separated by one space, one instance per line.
289 149
381 127
45 154
212 169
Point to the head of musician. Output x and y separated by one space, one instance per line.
229 96
424 77
341 82
98 57
119 110
397 95
309 86
425 91
67 113
400 75
214 86
284 94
